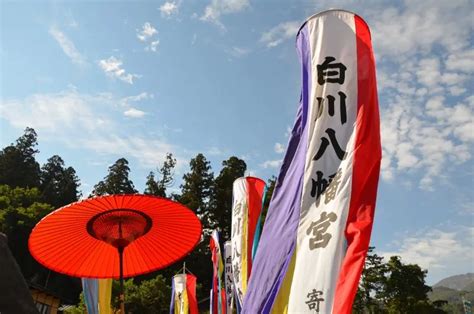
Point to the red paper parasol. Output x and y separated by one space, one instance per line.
103 236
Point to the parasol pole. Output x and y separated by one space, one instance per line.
120 251
122 296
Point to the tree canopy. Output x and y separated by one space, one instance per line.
28 192
116 181
158 187
59 185
18 166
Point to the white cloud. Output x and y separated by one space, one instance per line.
441 252
280 33
426 133
146 32
462 61
67 46
432 138
153 46
279 148
134 113
169 9
63 111
113 68
91 120
238 52
419 27
271 163
149 152
136 98
217 8
215 151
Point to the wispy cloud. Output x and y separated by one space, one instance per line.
279 148
217 8
418 28
125 102
169 9
215 151
153 46
91 119
442 252
147 34
424 76
280 33
271 164
149 152
58 111
113 68
67 46
238 52
134 113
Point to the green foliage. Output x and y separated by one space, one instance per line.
18 167
268 196
196 190
116 181
197 187
371 283
149 296
405 289
80 308
392 287
59 185
20 210
220 211
158 188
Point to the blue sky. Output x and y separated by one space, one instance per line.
104 80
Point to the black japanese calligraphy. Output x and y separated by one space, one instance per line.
319 230
331 72
334 181
314 298
235 254
236 272
237 209
331 108
340 153
318 186
236 227
327 187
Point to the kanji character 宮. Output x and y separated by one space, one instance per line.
319 228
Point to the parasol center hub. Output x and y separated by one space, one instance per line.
119 227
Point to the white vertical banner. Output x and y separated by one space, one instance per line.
328 174
181 301
318 229
239 210
229 282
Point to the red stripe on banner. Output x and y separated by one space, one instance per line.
255 189
365 175
191 291
215 274
223 302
